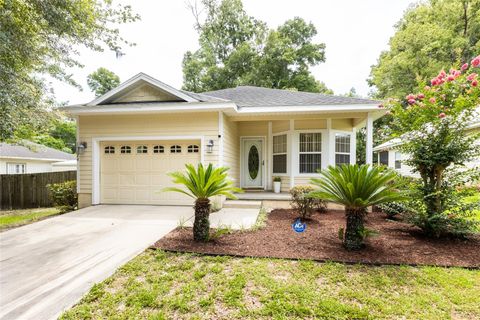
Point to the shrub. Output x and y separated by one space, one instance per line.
391 209
64 195
303 203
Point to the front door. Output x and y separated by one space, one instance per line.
252 163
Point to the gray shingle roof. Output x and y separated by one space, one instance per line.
249 96
202 97
27 149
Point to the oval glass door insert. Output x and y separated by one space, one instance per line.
253 162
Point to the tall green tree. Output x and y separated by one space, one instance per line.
39 38
102 80
237 49
432 35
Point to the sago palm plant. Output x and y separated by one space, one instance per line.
357 187
201 184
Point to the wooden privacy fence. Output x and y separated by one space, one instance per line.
29 190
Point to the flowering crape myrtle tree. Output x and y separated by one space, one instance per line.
432 125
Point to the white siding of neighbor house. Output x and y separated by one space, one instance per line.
103 126
32 166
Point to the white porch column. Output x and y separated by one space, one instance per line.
269 166
369 146
330 147
353 146
292 152
220 138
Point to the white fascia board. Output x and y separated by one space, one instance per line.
146 78
313 108
138 108
6 158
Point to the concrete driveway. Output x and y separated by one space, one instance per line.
47 266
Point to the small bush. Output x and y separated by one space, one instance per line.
303 203
64 195
391 209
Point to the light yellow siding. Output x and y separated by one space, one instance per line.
280 126
253 128
310 124
342 124
231 149
146 93
182 124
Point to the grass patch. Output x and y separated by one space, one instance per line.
163 285
16 218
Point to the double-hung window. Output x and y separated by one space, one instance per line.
280 154
342 148
310 152
398 160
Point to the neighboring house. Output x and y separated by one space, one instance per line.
136 133
29 157
389 155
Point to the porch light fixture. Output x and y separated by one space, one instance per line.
81 147
210 146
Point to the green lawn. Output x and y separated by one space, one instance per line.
161 285
15 218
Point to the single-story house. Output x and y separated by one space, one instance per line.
389 155
130 137
29 157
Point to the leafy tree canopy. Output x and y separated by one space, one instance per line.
41 38
432 35
102 80
237 49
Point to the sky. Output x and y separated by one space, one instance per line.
355 33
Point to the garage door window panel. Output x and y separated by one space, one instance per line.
109 150
176 149
158 149
142 149
193 148
126 150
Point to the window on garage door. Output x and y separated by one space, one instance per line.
175 149
158 149
126 149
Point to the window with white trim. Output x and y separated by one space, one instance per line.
109 150
175 149
398 160
280 154
125 149
142 149
193 148
310 152
342 148
158 149
383 158
16 168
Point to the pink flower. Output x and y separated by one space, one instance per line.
410 97
432 100
476 61
434 81
457 74
442 115
474 83
472 76
411 101
442 74
420 96
450 78
426 88
464 66
452 71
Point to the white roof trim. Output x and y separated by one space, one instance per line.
6 158
145 77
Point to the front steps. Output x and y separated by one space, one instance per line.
242 204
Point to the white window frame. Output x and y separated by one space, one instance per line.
141 148
125 148
17 164
323 159
193 148
346 133
158 149
287 145
110 149
176 148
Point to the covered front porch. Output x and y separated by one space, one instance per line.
293 148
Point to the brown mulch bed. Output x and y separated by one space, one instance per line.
397 243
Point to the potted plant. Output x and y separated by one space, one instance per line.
277 183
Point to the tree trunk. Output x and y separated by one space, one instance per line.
353 238
201 225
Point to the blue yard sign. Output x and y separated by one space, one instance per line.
298 226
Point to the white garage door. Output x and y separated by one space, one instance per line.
136 172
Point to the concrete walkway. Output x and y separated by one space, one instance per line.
46 267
